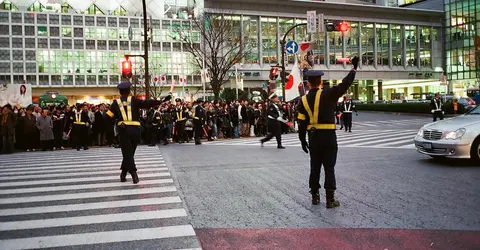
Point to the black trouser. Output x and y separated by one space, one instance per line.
323 151
437 114
80 131
337 118
152 134
347 121
197 126
58 137
180 131
129 138
47 145
274 129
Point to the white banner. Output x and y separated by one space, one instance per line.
19 95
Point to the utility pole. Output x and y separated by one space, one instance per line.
146 46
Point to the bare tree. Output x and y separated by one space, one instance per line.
220 46
138 82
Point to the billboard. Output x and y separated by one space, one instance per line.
19 95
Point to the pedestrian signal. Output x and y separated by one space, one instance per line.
127 69
273 73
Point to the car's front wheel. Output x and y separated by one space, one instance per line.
475 151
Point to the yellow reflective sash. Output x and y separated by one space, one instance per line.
321 126
78 118
126 116
129 123
313 124
180 114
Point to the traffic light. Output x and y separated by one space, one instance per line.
273 73
126 69
341 26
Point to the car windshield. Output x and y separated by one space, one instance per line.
475 111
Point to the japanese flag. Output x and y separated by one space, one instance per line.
306 47
163 79
293 83
206 76
182 80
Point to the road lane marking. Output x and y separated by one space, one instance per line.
98 237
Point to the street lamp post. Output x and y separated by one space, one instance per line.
282 43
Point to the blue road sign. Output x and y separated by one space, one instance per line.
291 47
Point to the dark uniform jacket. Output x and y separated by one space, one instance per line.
348 107
436 104
181 114
200 114
137 104
328 102
274 111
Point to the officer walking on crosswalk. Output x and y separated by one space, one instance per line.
347 108
126 112
275 120
315 116
437 107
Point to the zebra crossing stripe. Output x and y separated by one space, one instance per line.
92 163
400 142
384 140
88 195
59 173
98 237
61 155
54 204
92 219
78 180
351 139
80 186
54 169
90 206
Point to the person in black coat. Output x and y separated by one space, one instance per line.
100 125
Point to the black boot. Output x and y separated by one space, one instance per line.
331 202
165 143
134 177
123 176
280 147
315 198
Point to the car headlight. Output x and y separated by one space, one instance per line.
420 132
454 135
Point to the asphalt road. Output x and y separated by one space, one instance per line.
229 190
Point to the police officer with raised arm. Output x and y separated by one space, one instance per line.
126 111
315 116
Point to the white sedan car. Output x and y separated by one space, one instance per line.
457 137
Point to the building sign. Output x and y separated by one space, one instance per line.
19 95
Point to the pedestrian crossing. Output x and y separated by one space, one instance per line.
391 123
75 200
402 139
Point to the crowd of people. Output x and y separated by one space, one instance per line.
84 125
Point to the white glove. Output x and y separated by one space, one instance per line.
433 111
443 112
280 119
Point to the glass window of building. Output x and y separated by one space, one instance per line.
352 38
269 40
425 47
397 45
319 52
250 36
284 25
411 39
367 41
382 44
67 32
